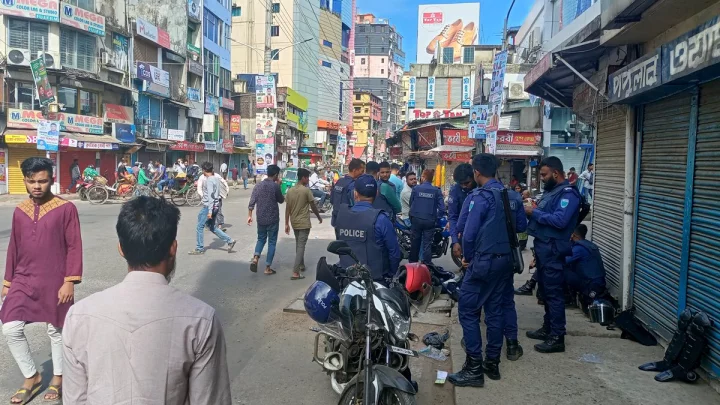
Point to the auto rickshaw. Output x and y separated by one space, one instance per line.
289 179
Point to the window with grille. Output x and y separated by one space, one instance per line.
78 101
212 72
88 5
225 83
28 35
275 31
77 50
447 55
236 11
468 54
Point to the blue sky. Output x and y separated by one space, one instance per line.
403 15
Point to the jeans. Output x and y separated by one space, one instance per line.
301 238
245 181
267 233
204 220
73 184
162 183
20 349
319 194
220 217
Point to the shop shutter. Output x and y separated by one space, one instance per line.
703 287
570 157
16 156
608 196
170 116
509 122
661 200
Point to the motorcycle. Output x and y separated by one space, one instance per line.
83 188
440 243
366 331
327 206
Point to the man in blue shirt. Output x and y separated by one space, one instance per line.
464 185
426 206
369 232
551 224
395 179
342 191
488 279
585 272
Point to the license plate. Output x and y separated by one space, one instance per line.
400 350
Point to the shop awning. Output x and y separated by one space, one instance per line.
452 148
238 149
177 103
518 150
155 141
88 138
555 76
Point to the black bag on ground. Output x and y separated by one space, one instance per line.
633 330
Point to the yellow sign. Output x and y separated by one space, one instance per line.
18 139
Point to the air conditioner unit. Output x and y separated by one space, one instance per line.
18 57
516 91
107 59
51 61
200 137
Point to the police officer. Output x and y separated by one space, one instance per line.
487 251
369 232
585 272
426 206
342 191
552 223
464 185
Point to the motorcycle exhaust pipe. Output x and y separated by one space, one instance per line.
333 361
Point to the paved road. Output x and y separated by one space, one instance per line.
269 352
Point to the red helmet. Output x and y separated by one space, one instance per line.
416 279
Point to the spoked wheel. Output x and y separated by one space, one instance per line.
97 194
178 198
192 197
83 194
390 396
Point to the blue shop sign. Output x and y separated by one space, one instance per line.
124 133
212 104
635 78
193 94
693 51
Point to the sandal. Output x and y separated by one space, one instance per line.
270 273
54 389
25 395
300 277
254 263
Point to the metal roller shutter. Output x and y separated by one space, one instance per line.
607 230
703 286
661 202
16 180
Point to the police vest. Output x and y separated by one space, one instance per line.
424 202
551 201
381 202
591 268
340 196
358 230
457 197
493 237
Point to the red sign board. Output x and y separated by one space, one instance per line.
457 137
227 146
188 146
426 137
235 125
519 138
456 156
432 18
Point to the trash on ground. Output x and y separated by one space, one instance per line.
436 340
433 353
441 377
591 358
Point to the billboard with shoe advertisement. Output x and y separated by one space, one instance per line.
446 25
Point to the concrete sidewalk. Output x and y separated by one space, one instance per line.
597 367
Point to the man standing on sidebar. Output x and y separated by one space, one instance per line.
44 262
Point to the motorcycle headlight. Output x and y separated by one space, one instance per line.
401 324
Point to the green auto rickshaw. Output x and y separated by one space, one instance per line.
289 179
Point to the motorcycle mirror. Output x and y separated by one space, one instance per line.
341 248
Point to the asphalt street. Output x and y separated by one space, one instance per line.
269 352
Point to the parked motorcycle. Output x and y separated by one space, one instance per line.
364 328
440 243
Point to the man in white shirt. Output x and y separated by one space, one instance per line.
411 182
224 170
317 186
588 177
224 191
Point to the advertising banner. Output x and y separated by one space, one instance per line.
431 92
152 74
153 33
423 113
177 135
188 146
48 135
29 119
456 156
38 10
491 143
82 19
42 83
235 125
519 138
3 163
208 123
119 51
447 26
478 121
412 83
466 92
265 92
124 133
264 153
457 137
265 126
496 100
118 113
193 94
212 104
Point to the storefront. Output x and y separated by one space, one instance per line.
190 151
519 153
154 150
21 145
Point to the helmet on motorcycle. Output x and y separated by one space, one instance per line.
321 302
415 277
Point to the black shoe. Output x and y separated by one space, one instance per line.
540 334
471 374
527 288
514 350
492 368
553 344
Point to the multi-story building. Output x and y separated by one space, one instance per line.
379 62
367 119
405 96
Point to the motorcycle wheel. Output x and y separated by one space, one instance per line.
390 396
97 194
83 194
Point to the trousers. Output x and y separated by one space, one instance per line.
301 238
510 322
210 223
551 283
422 233
20 349
269 234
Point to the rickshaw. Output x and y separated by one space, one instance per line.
289 179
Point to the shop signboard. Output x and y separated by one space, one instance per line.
193 94
149 31
638 77
46 10
424 113
188 146
82 19
195 67
29 119
227 146
456 156
457 137
117 113
466 93
519 138
125 133
175 135
235 125
227 103
430 102
412 84
212 104
152 74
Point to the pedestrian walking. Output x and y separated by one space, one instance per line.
143 341
224 170
44 262
75 175
211 200
267 196
299 202
551 224
245 176
234 172
224 191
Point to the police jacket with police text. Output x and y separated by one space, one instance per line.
426 202
340 194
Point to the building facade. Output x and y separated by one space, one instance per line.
367 119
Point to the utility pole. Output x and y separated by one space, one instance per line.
268 36
507 17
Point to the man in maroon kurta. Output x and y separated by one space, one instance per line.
44 262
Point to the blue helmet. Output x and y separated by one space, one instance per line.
321 302
442 221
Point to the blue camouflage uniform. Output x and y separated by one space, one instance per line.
456 198
426 206
370 234
551 224
488 279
